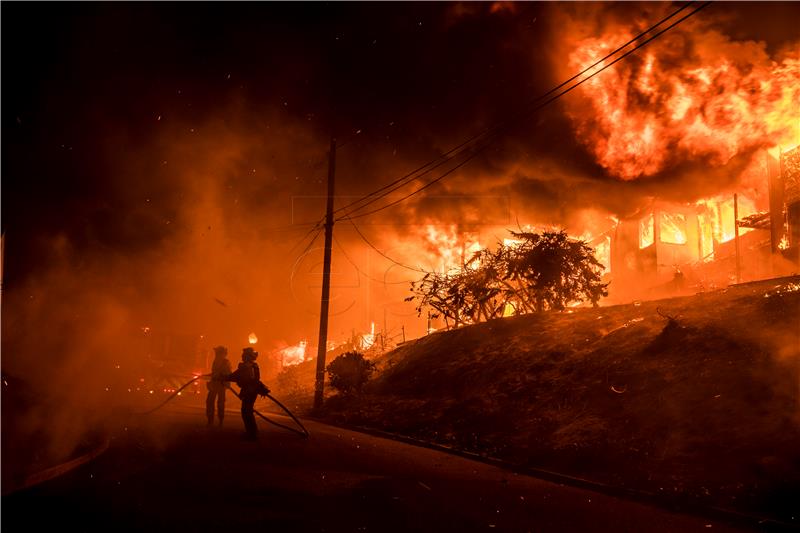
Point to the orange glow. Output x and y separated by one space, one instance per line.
367 340
726 99
451 248
646 231
603 253
717 220
252 339
672 228
293 355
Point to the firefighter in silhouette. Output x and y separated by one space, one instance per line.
220 369
248 377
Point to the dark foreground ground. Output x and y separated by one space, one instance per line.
168 472
701 408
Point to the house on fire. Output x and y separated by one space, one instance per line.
671 249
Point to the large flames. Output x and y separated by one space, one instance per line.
293 355
694 94
448 248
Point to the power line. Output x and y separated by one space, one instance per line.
498 129
490 134
288 227
487 130
493 131
468 159
383 254
310 244
384 282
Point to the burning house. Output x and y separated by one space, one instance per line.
669 248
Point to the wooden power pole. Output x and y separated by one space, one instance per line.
736 236
322 345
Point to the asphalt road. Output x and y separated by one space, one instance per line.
168 472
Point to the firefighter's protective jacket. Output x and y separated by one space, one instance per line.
248 377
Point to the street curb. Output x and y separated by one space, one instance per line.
685 507
63 468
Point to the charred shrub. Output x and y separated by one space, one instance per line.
349 372
672 336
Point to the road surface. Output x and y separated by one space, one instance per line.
168 472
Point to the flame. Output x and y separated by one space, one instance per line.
367 340
602 252
715 223
293 355
673 228
717 220
450 247
445 245
252 339
695 94
647 234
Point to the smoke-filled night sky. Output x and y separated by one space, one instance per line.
159 160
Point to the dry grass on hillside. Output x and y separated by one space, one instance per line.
704 405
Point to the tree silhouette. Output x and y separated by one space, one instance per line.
550 270
349 372
540 272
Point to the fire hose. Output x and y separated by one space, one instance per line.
304 433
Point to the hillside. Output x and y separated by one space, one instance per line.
704 407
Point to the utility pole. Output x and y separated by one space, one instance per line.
322 345
736 236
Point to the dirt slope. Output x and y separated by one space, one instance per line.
704 407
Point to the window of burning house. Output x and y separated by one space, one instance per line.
602 252
727 220
705 230
646 231
716 222
672 227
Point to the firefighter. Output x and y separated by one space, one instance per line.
248 377
220 369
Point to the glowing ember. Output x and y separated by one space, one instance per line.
252 338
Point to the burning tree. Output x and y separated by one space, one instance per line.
550 271
538 272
